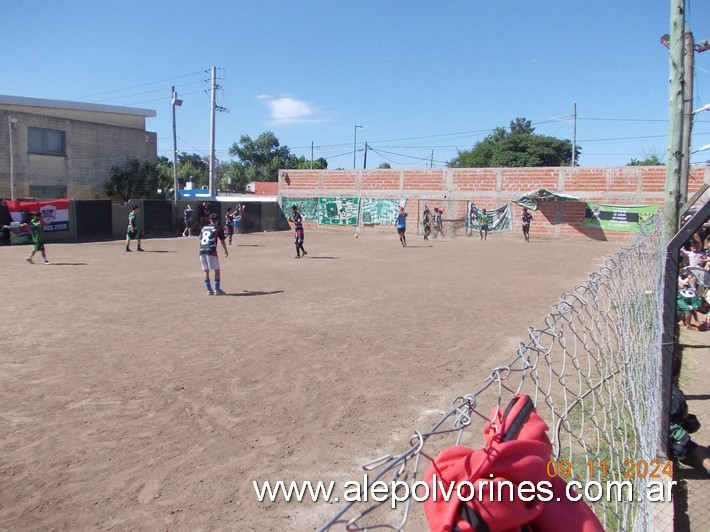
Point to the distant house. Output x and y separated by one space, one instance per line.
63 149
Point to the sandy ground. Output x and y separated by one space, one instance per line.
131 400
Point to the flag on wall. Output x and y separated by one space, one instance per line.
55 212
382 211
307 207
338 211
501 219
629 218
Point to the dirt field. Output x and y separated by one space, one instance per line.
131 400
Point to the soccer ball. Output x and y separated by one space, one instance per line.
356 235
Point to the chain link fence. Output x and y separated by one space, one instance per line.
593 372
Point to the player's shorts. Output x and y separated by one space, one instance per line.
133 235
526 228
38 245
229 229
484 228
209 262
298 238
401 230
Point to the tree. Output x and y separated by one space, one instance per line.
518 148
261 159
135 180
192 166
384 166
164 174
301 163
650 160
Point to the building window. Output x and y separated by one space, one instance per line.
46 141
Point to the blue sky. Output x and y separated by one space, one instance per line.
423 79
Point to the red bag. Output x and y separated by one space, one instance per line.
517 450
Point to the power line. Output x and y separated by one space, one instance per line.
139 86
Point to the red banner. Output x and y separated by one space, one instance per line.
54 212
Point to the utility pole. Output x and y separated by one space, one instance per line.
687 84
213 89
364 164
431 160
12 124
574 136
671 202
175 101
355 147
311 155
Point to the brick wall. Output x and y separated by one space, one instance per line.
492 187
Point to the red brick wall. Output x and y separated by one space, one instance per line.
492 187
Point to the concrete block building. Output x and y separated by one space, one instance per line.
60 149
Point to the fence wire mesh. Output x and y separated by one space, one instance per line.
593 372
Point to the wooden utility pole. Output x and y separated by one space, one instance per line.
671 202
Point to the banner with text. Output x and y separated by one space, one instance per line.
381 211
629 218
338 211
55 213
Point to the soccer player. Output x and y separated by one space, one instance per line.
229 223
485 218
37 230
401 224
526 218
209 235
132 232
426 222
437 222
187 217
297 221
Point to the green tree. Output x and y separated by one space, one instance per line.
261 159
135 180
195 167
651 160
164 174
519 147
384 166
301 163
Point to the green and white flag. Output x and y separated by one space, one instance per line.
629 218
382 211
308 207
338 211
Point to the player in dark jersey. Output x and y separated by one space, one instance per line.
526 218
297 221
209 235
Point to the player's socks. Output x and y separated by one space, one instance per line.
216 285
208 286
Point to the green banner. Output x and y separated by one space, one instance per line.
338 211
308 207
500 219
629 218
382 211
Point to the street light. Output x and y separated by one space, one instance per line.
355 146
702 148
12 124
705 107
175 101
